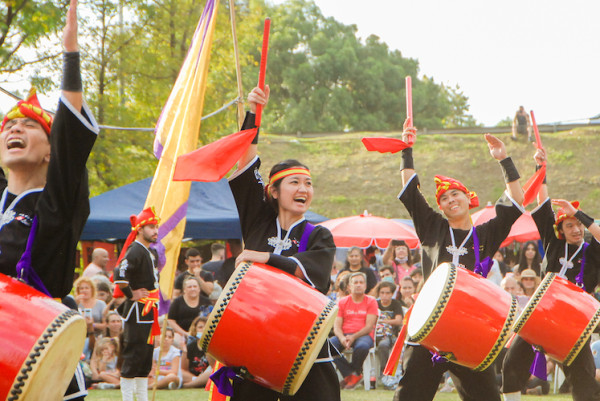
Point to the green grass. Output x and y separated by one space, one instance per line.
347 395
348 179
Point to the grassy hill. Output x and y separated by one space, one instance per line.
348 179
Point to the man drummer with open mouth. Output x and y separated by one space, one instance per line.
566 253
44 202
449 237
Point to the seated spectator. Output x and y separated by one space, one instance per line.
389 322
85 296
406 292
355 262
529 258
114 325
193 261
186 308
530 281
196 365
510 285
103 292
104 364
387 273
353 328
341 285
98 264
417 277
217 251
499 257
170 358
399 257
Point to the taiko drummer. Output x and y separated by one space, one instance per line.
569 255
45 201
273 227
449 237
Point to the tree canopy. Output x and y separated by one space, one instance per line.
323 77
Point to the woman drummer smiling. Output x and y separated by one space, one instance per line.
275 232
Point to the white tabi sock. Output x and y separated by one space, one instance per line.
127 388
512 396
141 388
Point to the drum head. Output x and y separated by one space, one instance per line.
48 370
428 301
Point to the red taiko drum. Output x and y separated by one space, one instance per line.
462 316
269 323
559 318
42 343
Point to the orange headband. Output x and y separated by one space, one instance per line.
285 173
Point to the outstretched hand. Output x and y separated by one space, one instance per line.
497 148
540 156
70 30
409 135
566 206
258 96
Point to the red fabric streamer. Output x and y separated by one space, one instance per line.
394 359
212 162
533 185
385 145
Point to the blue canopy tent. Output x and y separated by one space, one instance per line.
211 212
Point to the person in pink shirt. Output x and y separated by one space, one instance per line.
354 329
398 256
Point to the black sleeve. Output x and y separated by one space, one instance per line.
207 276
178 284
371 279
63 207
175 309
3 180
249 195
543 216
498 228
317 261
427 221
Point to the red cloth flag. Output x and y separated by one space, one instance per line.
383 145
533 185
212 162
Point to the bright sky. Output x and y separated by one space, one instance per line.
542 54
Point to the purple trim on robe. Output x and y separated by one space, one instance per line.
25 270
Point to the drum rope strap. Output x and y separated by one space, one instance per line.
481 267
25 270
567 263
282 244
461 250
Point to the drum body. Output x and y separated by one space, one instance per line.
270 324
42 343
559 318
462 316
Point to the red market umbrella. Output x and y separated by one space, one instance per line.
365 230
524 229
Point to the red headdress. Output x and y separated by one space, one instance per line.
561 216
29 108
146 216
443 184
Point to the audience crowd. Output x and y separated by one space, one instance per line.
373 288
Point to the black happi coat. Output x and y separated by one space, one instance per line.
434 231
138 270
555 249
259 229
62 206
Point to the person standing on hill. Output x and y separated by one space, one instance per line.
521 124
